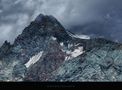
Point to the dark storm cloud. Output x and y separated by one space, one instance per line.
110 24
13 18
93 17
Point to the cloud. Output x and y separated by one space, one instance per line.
15 15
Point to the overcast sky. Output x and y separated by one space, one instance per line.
86 15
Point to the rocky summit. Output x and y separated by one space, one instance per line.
46 51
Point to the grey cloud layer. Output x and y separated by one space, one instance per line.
16 14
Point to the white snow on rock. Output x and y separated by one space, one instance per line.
70 45
34 59
54 38
73 54
77 52
67 58
79 36
83 36
62 44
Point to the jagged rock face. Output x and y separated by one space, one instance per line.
48 26
45 51
34 37
5 49
45 34
99 64
52 58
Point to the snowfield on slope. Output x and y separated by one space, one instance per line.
79 36
82 36
34 59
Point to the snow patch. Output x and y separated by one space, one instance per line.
53 38
67 58
62 44
83 36
34 59
73 54
79 36
77 52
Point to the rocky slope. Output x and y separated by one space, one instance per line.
45 51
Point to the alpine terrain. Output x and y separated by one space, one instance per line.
45 51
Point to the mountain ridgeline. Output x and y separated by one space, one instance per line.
45 51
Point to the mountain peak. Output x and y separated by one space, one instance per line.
39 18
5 48
45 18
45 25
